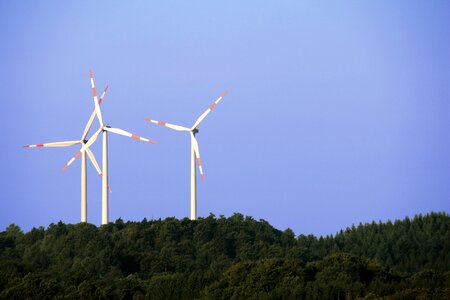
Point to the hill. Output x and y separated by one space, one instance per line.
223 258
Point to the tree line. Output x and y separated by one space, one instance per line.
226 258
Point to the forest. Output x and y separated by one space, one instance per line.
226 258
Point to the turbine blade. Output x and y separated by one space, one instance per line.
83 148
54 144
203 116
94 161
175 127
91 140
103 95
96 166
71 161
97 106
91 118
128 134
197 155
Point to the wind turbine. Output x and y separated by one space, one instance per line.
83 141
195 154
104 129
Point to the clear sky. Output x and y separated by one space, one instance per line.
337 113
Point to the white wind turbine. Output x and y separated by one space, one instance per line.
86 143
105 129
195 154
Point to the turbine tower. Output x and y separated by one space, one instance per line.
104 129
195 154
86 144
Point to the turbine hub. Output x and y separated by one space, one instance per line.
195 131
85 141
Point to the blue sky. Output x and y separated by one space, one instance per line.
337 113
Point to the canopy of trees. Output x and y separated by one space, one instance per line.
226 258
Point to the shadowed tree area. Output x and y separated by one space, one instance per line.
226 258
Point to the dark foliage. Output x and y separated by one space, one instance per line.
226 258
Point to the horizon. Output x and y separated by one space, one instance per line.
336 114
296 234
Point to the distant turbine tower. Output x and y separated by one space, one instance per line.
194 151
104 128
87 143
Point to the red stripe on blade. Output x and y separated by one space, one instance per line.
40 145
135 136
78 154
104 92
162 123
212 106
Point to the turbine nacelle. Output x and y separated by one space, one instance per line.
195 131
